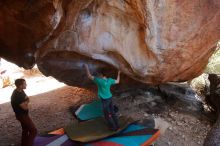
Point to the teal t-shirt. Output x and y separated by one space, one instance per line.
104 86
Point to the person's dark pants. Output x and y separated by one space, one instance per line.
109 113
29 131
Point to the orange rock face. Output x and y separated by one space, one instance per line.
151 41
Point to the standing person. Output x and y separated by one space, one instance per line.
104 93
19 103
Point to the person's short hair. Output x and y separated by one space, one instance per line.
101 72
19 82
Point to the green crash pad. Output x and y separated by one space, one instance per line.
94 129
90 110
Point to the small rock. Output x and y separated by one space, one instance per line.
157 98
149 99
185 120
153 103
179 124
147 93
169 119
161 124
170 128
124 95
171 114
146 115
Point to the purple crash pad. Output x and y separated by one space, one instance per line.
61 140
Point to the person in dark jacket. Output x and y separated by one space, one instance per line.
19 103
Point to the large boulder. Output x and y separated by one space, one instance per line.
151 41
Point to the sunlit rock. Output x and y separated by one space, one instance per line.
151 41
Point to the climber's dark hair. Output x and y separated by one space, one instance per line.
19 82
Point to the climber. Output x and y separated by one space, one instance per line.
104 93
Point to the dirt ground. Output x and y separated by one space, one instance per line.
50 110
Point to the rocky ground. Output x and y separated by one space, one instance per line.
50 111
183 128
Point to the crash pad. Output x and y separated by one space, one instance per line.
94 129
54 140
57 132
133 135
89 111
